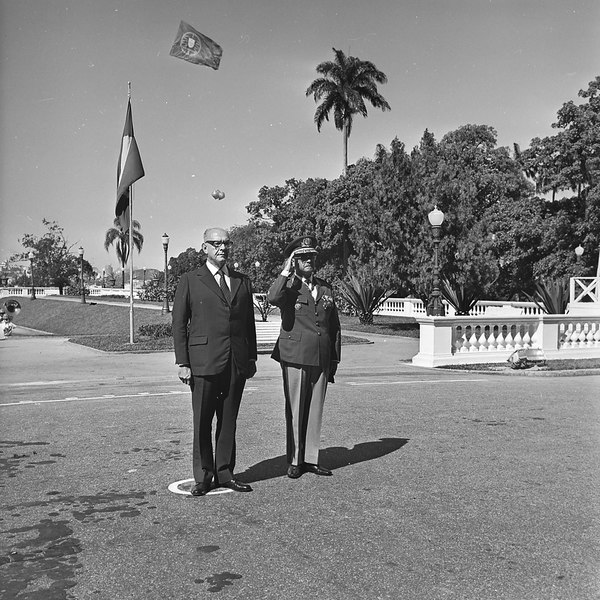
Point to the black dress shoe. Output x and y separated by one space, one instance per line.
201 489
294 471
317 470
236 486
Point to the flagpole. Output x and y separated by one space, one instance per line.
131 319
131 338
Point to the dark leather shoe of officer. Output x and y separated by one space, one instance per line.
317 470
201 489
294 471
236 486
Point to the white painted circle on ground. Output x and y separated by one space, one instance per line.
184 487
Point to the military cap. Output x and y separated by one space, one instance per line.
305 244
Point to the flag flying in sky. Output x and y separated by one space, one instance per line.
129 170
193 46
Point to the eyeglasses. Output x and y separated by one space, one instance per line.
219 243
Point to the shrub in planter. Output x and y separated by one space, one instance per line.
551 296
461 297
364 298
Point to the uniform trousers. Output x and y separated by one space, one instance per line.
304 387
218 395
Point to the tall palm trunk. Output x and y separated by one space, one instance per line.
345 140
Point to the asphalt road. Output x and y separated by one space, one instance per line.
446 485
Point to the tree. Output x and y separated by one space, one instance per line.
256 252
116 235
344 85
470 180
570 162
188 260
54 264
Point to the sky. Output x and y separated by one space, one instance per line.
65 67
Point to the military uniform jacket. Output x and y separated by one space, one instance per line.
310 329
206 329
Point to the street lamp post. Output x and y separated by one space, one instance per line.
165 243
103 277
31 257
81 274
436 306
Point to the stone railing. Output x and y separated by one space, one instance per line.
26 291
413 307
405 307
471 340
94 290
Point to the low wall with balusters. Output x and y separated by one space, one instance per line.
486 339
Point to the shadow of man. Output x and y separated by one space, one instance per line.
333 458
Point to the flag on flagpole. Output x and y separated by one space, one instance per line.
195 47
129 169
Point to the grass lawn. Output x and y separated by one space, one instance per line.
104 326
565 364
403 326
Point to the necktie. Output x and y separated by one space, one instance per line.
223 286
311 287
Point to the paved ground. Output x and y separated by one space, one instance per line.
446 485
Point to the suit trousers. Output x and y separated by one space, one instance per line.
304 387
218 395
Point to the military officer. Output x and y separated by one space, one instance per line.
308 349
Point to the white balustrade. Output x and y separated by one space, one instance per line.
413 307
472 340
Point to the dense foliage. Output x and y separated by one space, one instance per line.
55 262
502 230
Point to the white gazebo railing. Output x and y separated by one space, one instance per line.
585 289
584 295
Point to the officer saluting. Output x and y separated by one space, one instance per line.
308 350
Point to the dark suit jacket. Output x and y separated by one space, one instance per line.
310 330
206 329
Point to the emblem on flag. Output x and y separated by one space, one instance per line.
195 47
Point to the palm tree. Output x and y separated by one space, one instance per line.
116 235
345 84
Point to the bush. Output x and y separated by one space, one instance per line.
461 297
552 297
364 298
155 330
154 290
71 290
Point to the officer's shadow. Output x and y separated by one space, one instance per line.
333 458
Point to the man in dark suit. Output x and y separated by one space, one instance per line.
308 349
215 347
